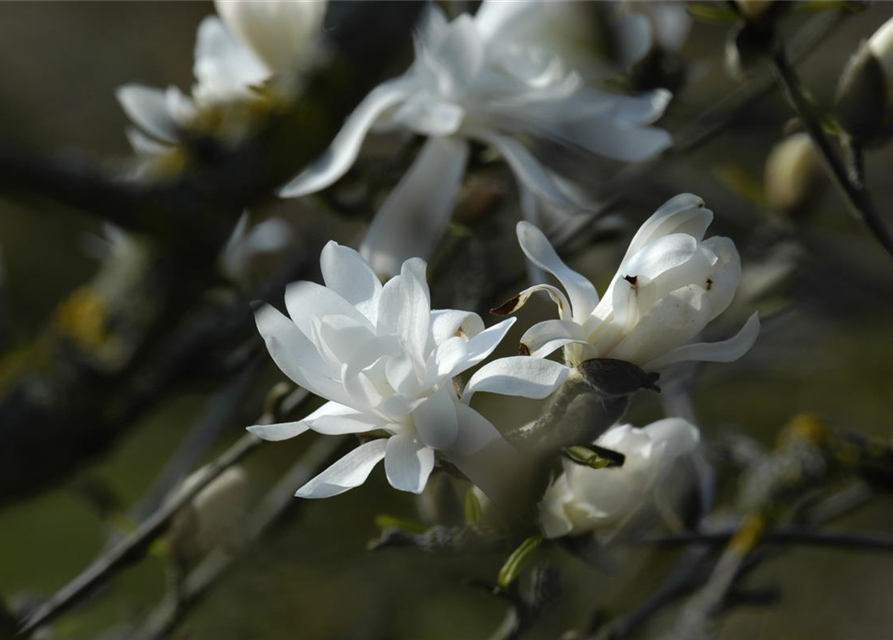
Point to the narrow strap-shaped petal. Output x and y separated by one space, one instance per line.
536 247
413 218
346 273
543 338
436 420
286 430
408 463
725 351
518 376
342 153
349 472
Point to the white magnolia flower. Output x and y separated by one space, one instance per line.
269 236
386 363
236 54
670 284
584 499
489 78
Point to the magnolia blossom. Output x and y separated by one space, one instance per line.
584 499
386 362
491 78
236 54
670 284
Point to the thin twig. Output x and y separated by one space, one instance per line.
134 546
853 189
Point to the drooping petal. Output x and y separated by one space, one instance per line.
543 338
408 463
536 247
725 351
413 218
286 430
436 421
342 153
147 108
518 376
348 275
512 305
349 472
405 308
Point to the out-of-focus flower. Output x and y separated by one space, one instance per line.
584 499
754 10
864 105
793 173
670 284
490 79
236 57
246 243
386 363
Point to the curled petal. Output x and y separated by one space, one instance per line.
342 153
545 337
512 305
536 247
725 351
408 463
349 472
447 323
482 345
413 218
518 376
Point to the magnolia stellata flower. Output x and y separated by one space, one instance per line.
670 284
236 54
584 499
490 79
386 363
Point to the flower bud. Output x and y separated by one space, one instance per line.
210 519
864 105
754 10
793 171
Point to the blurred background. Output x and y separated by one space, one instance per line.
826 348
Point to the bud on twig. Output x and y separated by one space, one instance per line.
864 104
793 171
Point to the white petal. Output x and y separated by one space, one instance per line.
147 108
224 67
436 421
536 247
290 349
429 115
448 357
614 139
281 33
408 463
348 275
673 320
491 468
339 425
669 262
675 436
349 472
528 170
518 376
405 308
543 338
342 153
448 323
475 431
684 213
564 307
725 351
482 345
461 52
726 273
286 430
307 300
494 16
553 518
413 218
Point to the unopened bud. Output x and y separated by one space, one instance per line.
754 10
864 105
211 518
793 171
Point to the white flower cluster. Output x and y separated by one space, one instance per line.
387 363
